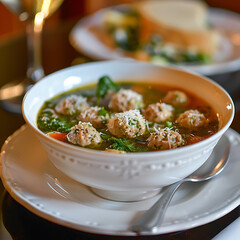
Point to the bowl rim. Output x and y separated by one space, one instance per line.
169 152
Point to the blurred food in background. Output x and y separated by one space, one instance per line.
158 31
163 31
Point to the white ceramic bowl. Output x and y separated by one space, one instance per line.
131 176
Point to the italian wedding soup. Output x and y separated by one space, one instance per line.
128 117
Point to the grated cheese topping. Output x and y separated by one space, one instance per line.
71 104
130 118
90 112
126 99
164 139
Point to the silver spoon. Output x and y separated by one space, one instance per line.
152 219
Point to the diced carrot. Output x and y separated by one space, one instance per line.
58 135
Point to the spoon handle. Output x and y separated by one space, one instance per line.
152 219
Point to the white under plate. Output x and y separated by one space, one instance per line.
33 181
227 59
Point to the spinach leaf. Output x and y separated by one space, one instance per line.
190 57
105 84
169 124
127 38
121 144
102 112
48 122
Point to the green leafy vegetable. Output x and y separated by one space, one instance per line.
169 124
195 57
102 112
127 38
105 84
160 54
48 121
125 30
121 144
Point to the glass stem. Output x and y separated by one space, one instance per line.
34 44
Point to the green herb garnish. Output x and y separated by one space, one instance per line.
105 84
48 121
191 57
169 124
121 144
102 112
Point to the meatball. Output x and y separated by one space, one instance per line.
164 139
84 134
97 116
129 124
71 105
176 98
191 119
125 100
158 112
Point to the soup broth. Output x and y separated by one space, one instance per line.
128 117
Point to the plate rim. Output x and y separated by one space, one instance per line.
235 201
205 69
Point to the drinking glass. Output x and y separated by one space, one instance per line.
34 13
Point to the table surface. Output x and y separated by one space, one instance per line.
57 54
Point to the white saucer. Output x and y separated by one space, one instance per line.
227 59
34 182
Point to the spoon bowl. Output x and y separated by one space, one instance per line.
152 219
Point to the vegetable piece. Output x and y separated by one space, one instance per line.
192 57
105 84
103 112
121 144
58 136
127 38
123 23
48 121
169 124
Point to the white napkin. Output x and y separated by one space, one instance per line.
231 232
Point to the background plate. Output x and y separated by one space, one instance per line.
227 59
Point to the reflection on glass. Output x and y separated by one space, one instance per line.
34 12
